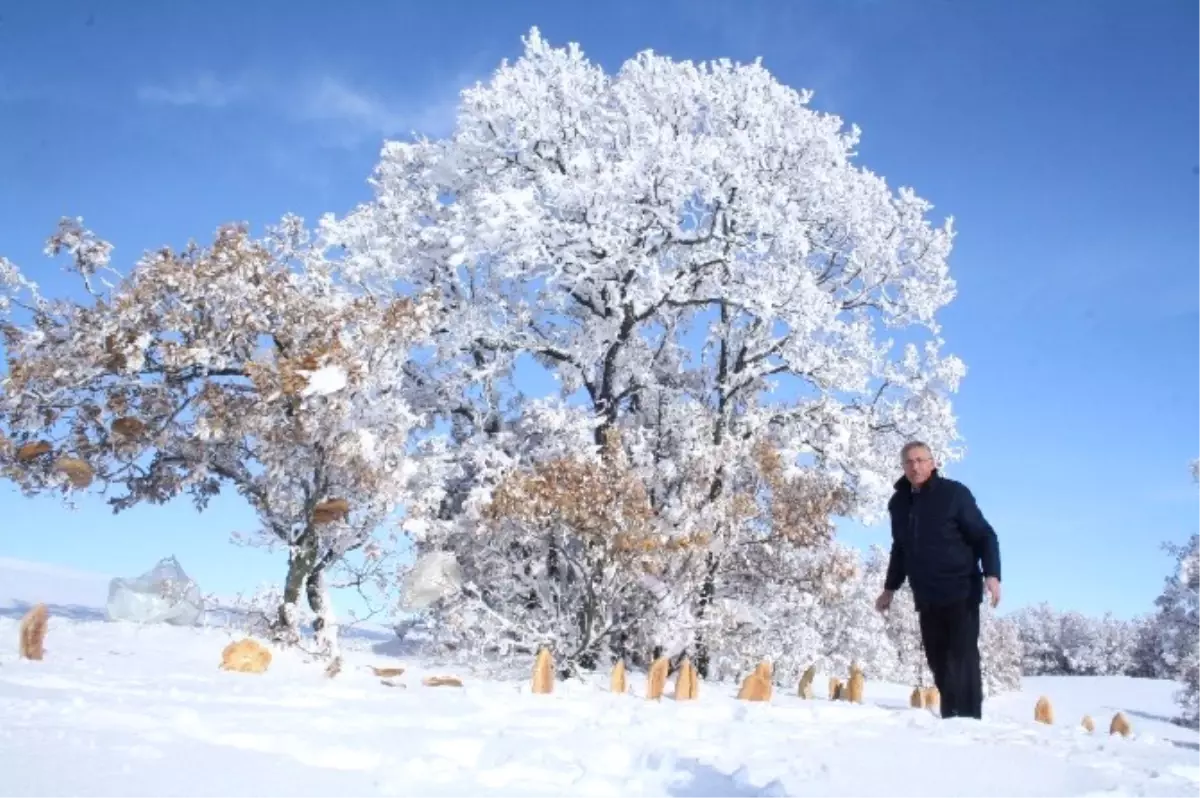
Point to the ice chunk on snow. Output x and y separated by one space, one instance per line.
164 594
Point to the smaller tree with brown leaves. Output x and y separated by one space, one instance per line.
564 555
246 364
781 573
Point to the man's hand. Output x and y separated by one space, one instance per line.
884 601
992 585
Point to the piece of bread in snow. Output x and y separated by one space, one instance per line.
856 686
806 682
1088 724
1120 725
543 672
616 682
917 699
764 670
755 688
932 697
245 656
656 679
810 673
762 688
1043 712
33 632
687 682
387 673
442 681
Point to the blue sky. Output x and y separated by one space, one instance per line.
1061 135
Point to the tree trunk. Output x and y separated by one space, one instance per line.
707 593
319 601
302 558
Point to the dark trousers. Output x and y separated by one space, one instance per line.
950 635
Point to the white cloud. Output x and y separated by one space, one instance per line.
204 90
353 113
345 113
331 100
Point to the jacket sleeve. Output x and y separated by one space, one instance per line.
895 571
979 534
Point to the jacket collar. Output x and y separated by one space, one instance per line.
904 485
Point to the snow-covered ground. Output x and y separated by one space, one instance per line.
115 709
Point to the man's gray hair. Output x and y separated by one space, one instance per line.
908 447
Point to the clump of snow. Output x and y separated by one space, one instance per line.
434 575
145 711
325 380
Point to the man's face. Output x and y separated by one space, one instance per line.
918 465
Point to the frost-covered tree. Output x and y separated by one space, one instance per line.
1080 644
243 364
1179 626
1070 643
565 550
903 628
1178 621
1146 657
999 653
999 646
778 563
1040 631
1115 643
693 254
789 604
852 632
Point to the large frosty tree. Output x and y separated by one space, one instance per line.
241 364
693 254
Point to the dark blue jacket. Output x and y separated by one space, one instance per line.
939 541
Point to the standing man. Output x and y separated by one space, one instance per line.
940 540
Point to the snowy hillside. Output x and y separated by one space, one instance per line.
116 709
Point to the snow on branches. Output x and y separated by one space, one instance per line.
999 652
691 253
695 227
244 363
567 554
1070 643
